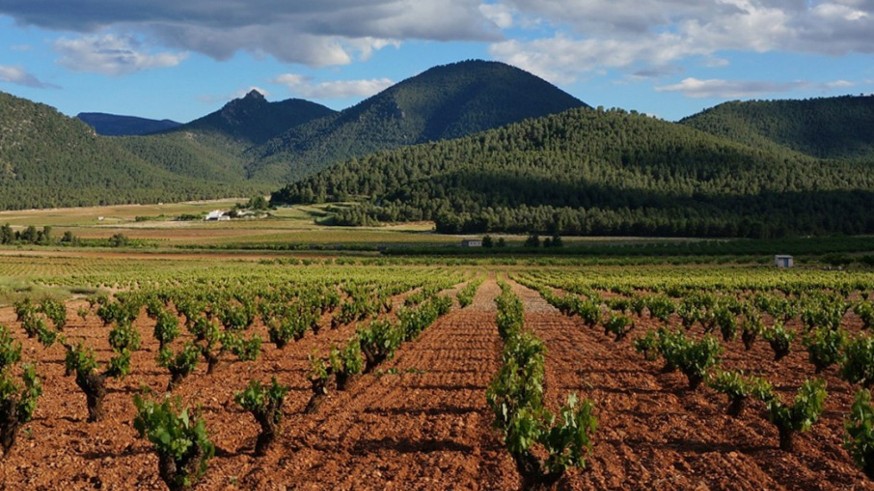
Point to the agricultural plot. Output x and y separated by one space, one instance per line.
384 377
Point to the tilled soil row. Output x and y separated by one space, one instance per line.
654 433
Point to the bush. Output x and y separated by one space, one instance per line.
16 404
265 404
825 347
739 387
805 410
180 364
858 362
378 341
860 432
346 363
166 328
780 340
181 441
693 358
80 360
10 349
619 325
647 345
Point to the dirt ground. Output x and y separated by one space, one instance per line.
421 421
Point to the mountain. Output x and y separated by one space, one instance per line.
48 160
441 103
252 120
597 172
115 125
832 127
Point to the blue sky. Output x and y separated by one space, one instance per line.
669 58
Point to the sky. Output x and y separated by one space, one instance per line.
669 58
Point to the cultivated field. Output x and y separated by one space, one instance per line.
421 418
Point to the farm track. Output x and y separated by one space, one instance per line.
656 434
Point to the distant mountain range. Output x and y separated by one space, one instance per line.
475 146
115 125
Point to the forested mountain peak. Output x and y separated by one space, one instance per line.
596 172
443 102
252 119
827 127
119 125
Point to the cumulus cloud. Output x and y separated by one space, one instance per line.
314 32
736 89
19 76
306 87
111 55
632 35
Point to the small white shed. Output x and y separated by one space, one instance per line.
783 261
472 243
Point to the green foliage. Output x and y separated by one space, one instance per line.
56 311
287 327
466 294
780 339
124 336
607 173
265 404
738 387
510 312
858 362
859 425
865 311
515 396
647 345
166 328
346 362
80 359
825 347
10 349
619 325
378 341
805 410
244 349
17 404
693 358
180 364
182 445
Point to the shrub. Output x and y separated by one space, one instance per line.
282 330
619 325
739 387
180 364
320 373
80 360
780 340
10 349
860 432
166 328
56 311
858 362
751 328
378 341
265 404
16 404
800 416
693 358
825 347
647 345
181 441
346 363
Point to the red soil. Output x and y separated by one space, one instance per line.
421 421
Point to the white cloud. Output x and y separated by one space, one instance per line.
501 15
111 55
590 36
303 86
313 32
736 89
19 76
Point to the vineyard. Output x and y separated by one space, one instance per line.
358 373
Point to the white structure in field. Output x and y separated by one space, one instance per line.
783 261
216 215
472 243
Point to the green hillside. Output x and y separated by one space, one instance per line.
444 102
834 127
595 172
48 160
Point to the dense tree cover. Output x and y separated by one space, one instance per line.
253 120
834 127
599 172
48 159
116 125
444 102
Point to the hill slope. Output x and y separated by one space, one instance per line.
593 172
116 125
444 102
833 127
48 160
